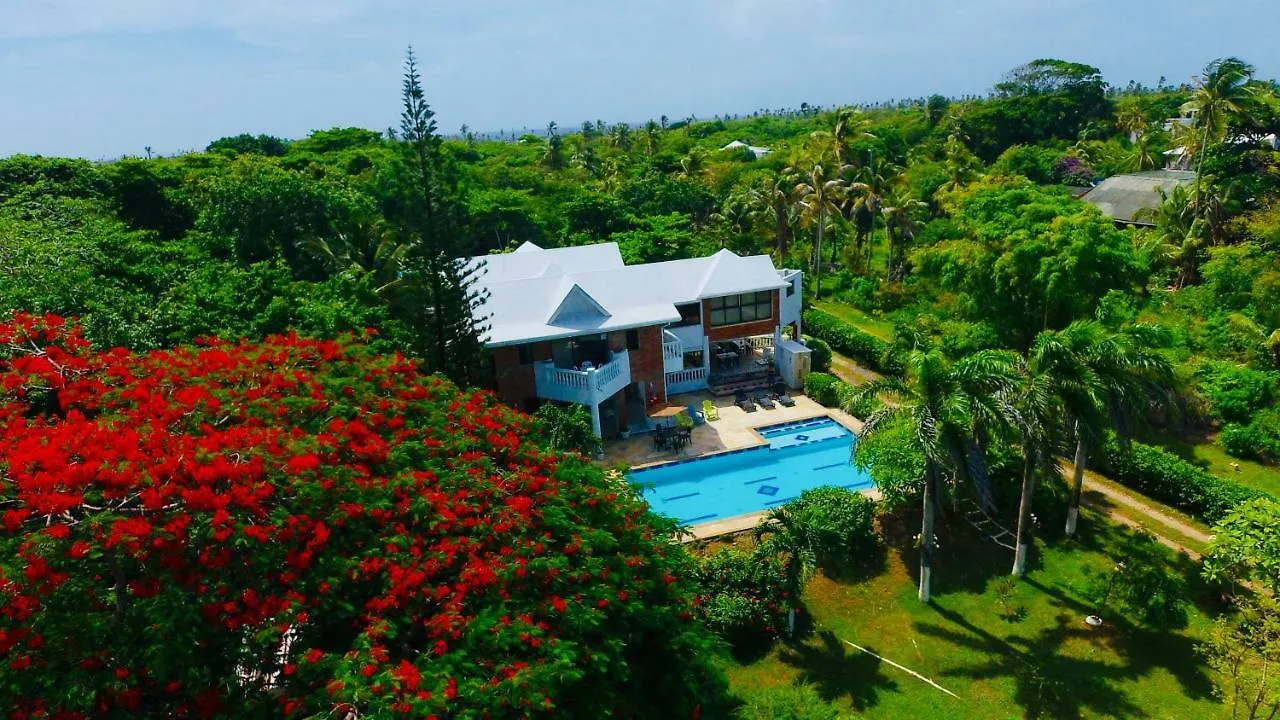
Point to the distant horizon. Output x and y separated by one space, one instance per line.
105 80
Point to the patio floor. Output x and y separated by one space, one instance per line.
734 430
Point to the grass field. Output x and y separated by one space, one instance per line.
880 328
1048 663
1205 453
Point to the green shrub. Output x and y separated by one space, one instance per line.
566 428
789 702
1142 584
742 598
1168 478
1234 393
823 388
849 340
820 358
1259 439
840 526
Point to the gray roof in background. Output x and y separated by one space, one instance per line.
1121 197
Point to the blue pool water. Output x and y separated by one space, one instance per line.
800 456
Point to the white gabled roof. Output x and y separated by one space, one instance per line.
537 294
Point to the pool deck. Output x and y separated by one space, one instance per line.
736 429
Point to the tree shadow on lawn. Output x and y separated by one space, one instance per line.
837 670
964 561
1047 683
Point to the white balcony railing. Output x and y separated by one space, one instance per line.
672 352
586 387
686 381
758 342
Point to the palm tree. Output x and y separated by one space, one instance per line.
945 406
366 247
850 124
620 136
818 195
772 198
1037 407
735 216
1223 90
1104 379
899 211
872 182
553 156
1177 233
694 165
781 533
651 131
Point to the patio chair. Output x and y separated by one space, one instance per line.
744 402
710 411
784 399
763 399
694 413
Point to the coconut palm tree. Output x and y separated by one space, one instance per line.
872 182
366 247
851 124
945 406
1223 90
782 534
651 131
1037 408
900 212
772 199
694 165
1177 235
819 195
620 136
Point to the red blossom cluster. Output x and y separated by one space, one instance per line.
303 528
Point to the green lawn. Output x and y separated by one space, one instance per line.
1048 664
857 318
1206 453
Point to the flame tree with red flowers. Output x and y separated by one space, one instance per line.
304 528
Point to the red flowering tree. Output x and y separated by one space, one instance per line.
303 528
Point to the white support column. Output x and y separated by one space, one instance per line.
595 419
706 352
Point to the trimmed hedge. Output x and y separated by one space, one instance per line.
820 354
823 389
846 339
1163 476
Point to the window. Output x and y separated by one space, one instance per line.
736 309
633 339
526 354
791 288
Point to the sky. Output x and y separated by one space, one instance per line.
105 78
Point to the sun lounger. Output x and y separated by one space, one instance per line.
744 402
763 399
784 400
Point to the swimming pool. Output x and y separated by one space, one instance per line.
800 455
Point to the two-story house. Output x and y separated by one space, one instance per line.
578 325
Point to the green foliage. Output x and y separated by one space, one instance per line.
566 428
1143 583
839 525
790 702
849 340
246 144
1246 546
1259 439
1035 163
1168 478
1242 650
823 388
820 354
742 597
1234 393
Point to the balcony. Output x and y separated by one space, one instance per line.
585 387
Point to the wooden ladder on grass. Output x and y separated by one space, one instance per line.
987 525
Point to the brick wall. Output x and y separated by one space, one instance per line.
513 382
747 329
646 363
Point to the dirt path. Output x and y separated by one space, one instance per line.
1105 496
850 371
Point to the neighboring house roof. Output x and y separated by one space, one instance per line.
537 294
759 152
1121 197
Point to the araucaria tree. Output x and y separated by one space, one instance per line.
441 294
303 528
